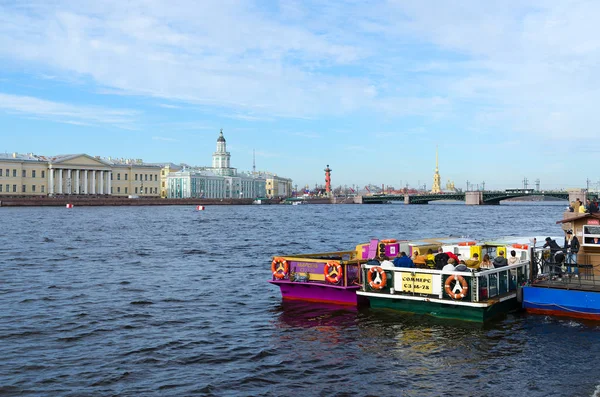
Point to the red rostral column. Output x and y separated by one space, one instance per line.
328 180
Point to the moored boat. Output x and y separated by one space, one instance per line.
464 295
563 287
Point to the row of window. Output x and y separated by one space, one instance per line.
23 173
23 188
145 177
7 189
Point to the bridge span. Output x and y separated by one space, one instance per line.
473 198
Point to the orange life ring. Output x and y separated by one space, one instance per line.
389 240
382 276
279 267
463 284
520 246
466 243
333 279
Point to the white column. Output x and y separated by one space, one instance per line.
60 181
77 191
85 182
93 182
69 182
109 181
51 187
101 182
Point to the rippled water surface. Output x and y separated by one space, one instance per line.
169 301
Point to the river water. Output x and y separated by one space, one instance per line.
169 301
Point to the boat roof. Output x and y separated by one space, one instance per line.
582 216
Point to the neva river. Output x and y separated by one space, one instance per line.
169 301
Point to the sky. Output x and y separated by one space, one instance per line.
505 90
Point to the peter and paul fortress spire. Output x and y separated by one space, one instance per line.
436 177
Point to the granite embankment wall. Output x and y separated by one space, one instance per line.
102 201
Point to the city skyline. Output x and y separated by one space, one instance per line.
504 90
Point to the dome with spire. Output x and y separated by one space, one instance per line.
221 138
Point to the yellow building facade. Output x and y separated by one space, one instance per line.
30 175
278 187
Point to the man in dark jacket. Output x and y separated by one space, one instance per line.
441 259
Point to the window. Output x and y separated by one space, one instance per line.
126 176
14 188
33 173
146 176
14 173
42 188
0 172
136 190
146 190
162 172
155 178
118 190
24 173
118 177
23 189
163 184
33 188
1 188
43 175
7 172
125 190
7 188
136 178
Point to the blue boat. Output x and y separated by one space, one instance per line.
561 287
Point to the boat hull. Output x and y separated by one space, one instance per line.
562 302
446 310
312 292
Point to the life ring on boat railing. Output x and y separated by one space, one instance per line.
389 240
373 281
450 290
279 267
521 246
333 277
466 243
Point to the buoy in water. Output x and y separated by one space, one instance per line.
200 207
69 205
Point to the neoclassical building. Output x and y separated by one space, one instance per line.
218 181
76 174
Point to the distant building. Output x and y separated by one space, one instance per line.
436 188
75 174
219 181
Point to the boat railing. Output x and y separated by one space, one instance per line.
549 269
310 268
481 285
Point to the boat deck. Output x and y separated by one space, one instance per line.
568 282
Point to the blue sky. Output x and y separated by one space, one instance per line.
506 90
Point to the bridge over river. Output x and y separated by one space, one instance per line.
473 198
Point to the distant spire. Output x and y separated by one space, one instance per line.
253 161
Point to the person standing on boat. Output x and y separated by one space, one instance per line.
576 204
500 260
572 248
403 261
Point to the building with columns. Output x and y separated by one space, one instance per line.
219 181
76 174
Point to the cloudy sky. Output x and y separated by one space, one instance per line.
506 90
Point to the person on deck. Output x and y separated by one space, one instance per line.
513 258
500 260
576 204
419 260
474 262
572 248
453 256
486 263
554 247
449 266
403 261
441 259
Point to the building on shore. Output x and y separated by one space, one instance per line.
30 175
219 181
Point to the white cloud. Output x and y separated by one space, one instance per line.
67 113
